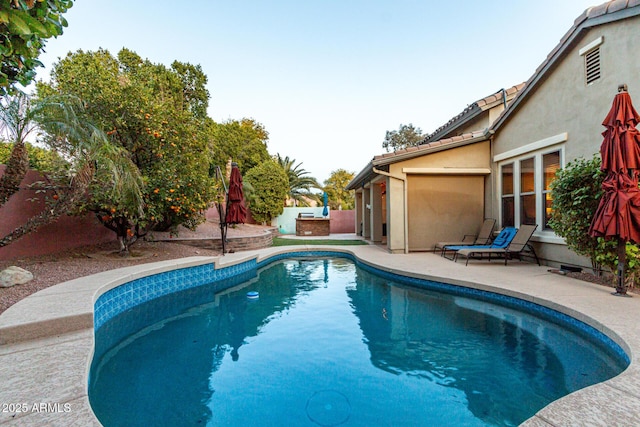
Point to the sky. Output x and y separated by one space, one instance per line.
328 78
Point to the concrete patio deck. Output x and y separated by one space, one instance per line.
46 340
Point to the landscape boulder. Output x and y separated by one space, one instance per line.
13 275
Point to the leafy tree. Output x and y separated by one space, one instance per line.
25 25
336 188
40 159
87 151
194 90
299 184
243 141
406 136
270 186
154 114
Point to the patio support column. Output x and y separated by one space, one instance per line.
397 213
359 213
396 209
376 213
366 216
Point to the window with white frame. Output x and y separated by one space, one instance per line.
508 202
550 165
525 187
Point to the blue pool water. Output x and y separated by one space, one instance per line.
329 343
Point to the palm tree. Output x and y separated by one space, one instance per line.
85 147
16 123
299 185
20 118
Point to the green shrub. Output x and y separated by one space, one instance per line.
270 187
576 193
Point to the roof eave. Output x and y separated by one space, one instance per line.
361 178
467 116
582 24
431 148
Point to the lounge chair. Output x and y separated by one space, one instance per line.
482 238
501 241
518 245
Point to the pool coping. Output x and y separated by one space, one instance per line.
46 340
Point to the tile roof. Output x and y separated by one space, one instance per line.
607 12
430 146
610 11
473 110
367 173
420 150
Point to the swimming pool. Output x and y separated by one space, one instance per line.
329 342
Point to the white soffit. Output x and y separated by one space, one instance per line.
534 146
446 171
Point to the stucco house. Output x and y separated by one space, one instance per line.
503 170
415 197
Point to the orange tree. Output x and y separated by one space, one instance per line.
156 115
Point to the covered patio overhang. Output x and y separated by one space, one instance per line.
409 199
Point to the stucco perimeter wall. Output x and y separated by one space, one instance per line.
343 222
66 233
286 221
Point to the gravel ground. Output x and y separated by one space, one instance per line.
49 270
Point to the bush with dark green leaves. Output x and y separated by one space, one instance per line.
576 193
270 186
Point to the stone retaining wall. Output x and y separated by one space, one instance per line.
234 244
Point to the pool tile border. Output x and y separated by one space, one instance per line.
142 290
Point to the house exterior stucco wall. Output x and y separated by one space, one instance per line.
434 200
476 155
562 103
443 208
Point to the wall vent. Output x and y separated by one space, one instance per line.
592 65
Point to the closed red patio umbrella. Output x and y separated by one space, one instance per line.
236 210
618 213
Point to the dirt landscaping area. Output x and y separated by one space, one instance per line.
49 270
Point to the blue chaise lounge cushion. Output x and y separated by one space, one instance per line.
501 241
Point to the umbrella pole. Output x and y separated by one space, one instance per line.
222 215
226 224
222 211
621 288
